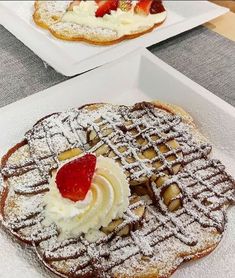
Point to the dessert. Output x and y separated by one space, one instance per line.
100 21
116 191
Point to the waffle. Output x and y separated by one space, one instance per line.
179 197
49 15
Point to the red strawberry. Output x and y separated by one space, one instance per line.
74 178
105 7
143 7
124 5
157 7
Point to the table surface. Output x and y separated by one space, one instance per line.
22 73
223 25
226 3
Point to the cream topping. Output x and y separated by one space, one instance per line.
123 22
106 200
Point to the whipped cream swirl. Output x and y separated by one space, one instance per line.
107 199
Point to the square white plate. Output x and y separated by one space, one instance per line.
140 76
70 58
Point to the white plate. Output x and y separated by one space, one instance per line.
140 76
70 58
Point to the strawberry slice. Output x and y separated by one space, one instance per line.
74 178
143 7
105 7
157 7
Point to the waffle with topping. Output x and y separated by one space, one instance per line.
101 22
177 209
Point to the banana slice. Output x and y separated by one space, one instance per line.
174 205
164 148
171 194
92 136
102 150
112 226
174 145
69 154
137 211
111 154
149 153
170 197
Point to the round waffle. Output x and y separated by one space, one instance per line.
179 194
49 15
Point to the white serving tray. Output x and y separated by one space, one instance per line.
70 58
136 77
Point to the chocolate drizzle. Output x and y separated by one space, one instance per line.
206 189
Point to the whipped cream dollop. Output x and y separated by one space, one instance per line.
107 199
123 22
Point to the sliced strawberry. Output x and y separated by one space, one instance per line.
124 5
73 4
143 7
105 7
157 7
74 178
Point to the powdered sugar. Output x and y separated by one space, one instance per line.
163 235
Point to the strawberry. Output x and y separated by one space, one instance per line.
105 7
157 7
143 7
124 5
74 178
